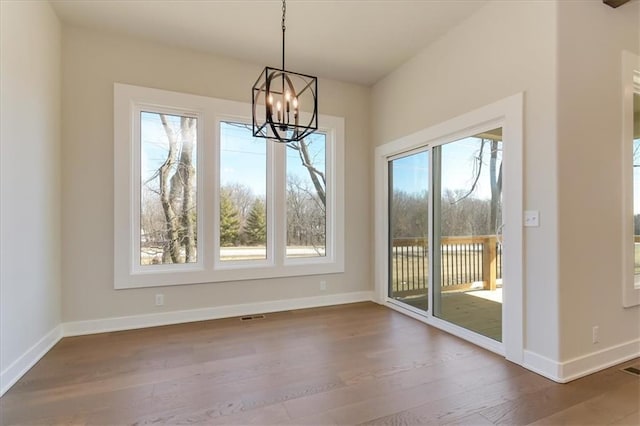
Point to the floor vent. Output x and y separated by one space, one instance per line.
632 370
251 317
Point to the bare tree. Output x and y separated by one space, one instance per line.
317 176
176 178
306 219
409 214
495 180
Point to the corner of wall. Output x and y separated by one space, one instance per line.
31 211
11 374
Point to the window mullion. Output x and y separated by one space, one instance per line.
135 199
277 221
210 166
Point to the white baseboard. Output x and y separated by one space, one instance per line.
20 366
596 361
563 372
78 328
542 365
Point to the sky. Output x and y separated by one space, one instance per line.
411 173
243 157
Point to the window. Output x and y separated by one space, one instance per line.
631 178
199 199
636 189
243 194
168 188
306 197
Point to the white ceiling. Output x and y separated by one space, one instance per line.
358 41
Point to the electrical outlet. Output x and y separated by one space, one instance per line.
159 299
595 334
323 285
531 218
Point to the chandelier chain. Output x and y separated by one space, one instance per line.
284 13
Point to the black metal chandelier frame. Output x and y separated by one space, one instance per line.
280 93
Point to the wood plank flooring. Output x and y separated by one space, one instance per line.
344 365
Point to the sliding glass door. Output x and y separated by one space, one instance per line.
467 227
463 241
409 229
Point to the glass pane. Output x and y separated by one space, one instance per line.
306 197
636 180
467 224
243 191
408 229
168 202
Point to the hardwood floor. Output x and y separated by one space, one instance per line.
343 365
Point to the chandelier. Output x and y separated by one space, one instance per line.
284 103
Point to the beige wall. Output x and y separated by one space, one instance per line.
591 38
503 49
30 197
92 62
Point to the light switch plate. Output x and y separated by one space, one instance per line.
531 218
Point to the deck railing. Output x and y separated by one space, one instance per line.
464 261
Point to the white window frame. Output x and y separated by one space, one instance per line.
137 109
630 85
507 114
129 100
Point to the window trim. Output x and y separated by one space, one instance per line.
209 269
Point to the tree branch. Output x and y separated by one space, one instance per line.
477 177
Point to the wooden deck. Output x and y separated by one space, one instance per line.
344 365
481 314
